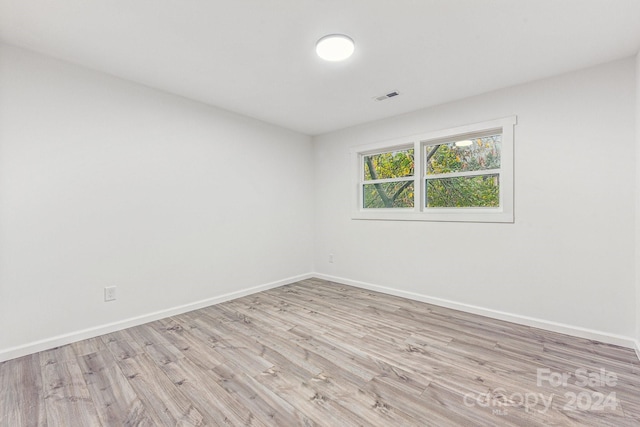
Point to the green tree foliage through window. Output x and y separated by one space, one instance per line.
389 179
457 175
460 174
464 192
479 189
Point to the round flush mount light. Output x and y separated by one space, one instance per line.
335 47
464 143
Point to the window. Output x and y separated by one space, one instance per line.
464 173
461 174
388 180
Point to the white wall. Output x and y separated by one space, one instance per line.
104 182
567 259
637 253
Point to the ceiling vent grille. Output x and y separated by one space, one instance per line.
387 96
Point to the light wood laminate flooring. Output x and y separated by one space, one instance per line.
319 353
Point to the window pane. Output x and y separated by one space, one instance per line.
388 195
394 164
464 192
472 154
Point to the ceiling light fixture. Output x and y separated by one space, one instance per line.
335 47
464 143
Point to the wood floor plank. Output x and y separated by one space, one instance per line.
362 402
165 402
22 402
66 396
117 404
426 412
316 353
88 346
239 348
211 399
202 354
277 350
266 404
319 408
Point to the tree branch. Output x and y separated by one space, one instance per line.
401 189
385 199
431 153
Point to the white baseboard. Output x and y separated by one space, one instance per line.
562 328
49 343
71 337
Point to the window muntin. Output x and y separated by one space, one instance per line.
487 166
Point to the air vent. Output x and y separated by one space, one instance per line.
387 96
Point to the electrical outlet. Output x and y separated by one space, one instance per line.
330 258
110 293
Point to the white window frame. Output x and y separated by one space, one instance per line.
503 213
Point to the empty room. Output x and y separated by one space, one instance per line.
319 213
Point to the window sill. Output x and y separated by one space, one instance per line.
444 215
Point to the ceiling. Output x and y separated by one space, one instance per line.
256 57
